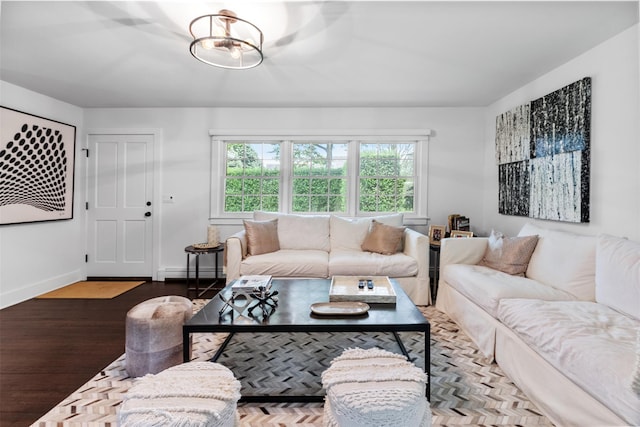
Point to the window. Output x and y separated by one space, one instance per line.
348 175
252 179
319 177
386 177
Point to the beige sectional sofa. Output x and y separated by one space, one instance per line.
567 332
328 245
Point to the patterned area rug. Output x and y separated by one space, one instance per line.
465 390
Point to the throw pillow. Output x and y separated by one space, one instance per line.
383 239
509 254
262 236
618 274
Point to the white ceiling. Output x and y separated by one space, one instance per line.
317 54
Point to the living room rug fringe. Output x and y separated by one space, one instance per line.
465 390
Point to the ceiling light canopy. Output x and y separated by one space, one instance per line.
226 41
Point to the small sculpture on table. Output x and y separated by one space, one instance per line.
254 290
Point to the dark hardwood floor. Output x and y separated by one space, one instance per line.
50 347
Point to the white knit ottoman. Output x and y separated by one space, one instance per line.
374 388
154 334
188 395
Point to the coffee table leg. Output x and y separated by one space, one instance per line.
186 339
427 356
222 347
427 360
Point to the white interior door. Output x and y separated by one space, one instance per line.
120 206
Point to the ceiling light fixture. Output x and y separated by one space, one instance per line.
226 41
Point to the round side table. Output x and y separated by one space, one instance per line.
192 250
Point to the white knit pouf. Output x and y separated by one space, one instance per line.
374 388
188 395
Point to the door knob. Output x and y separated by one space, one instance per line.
147 214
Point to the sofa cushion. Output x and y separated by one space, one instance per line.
509 254
288 263
262 236
486 286
590 343
348 233
618 274
356 263
383 239
300 231
563 260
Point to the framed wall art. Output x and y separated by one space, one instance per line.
37 157
543 155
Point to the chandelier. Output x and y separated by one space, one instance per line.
226 41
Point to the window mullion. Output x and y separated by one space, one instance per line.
353 194
286 175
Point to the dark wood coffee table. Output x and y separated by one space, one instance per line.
293 314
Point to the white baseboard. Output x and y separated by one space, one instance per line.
181 273
29 291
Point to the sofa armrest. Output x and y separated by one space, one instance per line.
235 252
462 250
416 245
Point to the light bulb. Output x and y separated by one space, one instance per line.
235 52
208 44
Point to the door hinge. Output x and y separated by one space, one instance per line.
86 205
86 257
86 152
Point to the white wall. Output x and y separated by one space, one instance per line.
38 257
455 150
615 139
35 258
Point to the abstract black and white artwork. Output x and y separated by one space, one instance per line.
36 168
513 135
543 156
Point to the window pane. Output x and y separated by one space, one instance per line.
319 204
270 186
300 204
337 204
320 161
319 186
233 186
386 177
337 186
406 167
251 203
252 176
233 204
301 186
270 203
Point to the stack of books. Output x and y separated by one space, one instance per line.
249 284
459 222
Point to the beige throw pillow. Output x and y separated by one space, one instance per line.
383 239
262 236
509 254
